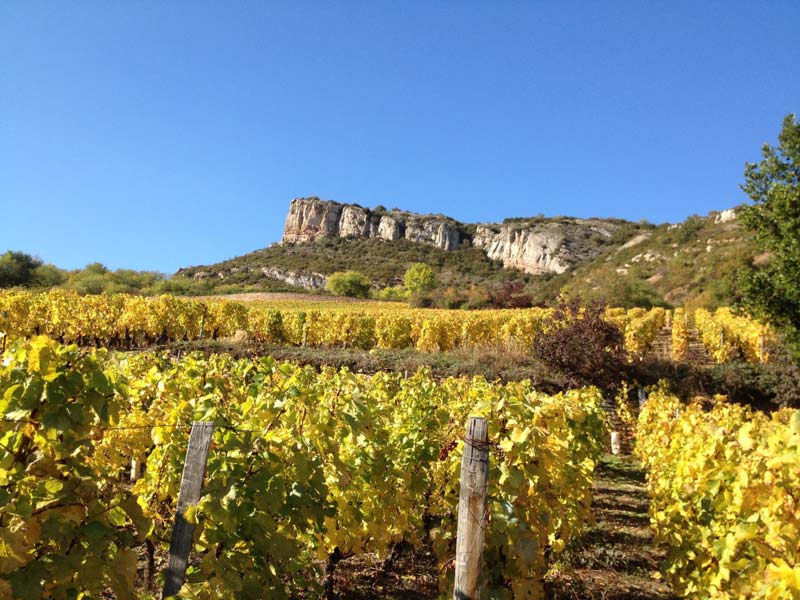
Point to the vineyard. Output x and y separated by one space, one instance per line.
121 321
310 468
305 467
725 489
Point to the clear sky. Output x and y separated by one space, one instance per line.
155 135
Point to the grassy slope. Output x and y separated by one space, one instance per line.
693 263
383 262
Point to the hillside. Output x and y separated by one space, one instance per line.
305 265
626 263
693 263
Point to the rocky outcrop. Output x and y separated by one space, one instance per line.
729 214
310 281
433 231
387 228
542 246
532 245
310 219
534 251
353 222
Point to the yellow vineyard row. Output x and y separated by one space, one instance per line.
129 321
725 488
304 466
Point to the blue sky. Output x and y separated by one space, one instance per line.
155 135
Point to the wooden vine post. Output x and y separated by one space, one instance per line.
472 503
194 470
136 469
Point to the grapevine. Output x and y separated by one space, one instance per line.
304 466
725 496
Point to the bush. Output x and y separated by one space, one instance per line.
579 343
396 293
452 297
510 295
688 230
348 283
422 301
47 276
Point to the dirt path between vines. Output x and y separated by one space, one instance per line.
615 559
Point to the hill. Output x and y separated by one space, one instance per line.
693 262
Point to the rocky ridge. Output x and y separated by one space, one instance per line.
695 261
310 219
535 246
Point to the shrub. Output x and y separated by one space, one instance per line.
453 297
581 344
510 295
395 293
348 283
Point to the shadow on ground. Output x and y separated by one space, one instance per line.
615 559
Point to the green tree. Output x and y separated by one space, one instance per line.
17 268
48 276
348 283
772 290
419 278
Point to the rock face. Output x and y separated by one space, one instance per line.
530 250
532 245
539 246
433 231
729 214
310 281
387 228
353 222
310 219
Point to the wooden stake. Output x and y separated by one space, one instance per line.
472 510
194 470
616 446
135 469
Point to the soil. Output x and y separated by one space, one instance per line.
615 559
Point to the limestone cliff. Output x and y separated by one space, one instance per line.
535 246
541 246
310 219
591 258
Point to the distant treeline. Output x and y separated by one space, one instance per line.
18 269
